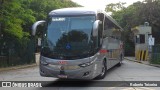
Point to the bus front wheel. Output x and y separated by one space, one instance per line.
104 70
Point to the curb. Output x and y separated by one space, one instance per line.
17 67
155 65
133 60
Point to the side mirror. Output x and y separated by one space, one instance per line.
35 25
95 27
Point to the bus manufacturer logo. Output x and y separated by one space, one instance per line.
62 62
62 68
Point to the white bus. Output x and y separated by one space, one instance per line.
79 43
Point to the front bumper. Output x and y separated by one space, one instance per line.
80 73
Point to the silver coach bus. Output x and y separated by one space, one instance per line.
79 43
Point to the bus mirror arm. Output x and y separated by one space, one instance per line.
95 27
35 25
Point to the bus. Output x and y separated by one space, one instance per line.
79 43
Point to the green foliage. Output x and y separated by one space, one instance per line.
135 15
114 7
18 16
10 20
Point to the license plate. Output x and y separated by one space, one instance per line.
62 76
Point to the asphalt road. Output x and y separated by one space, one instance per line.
129 71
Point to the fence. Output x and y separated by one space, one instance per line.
155 54
14 53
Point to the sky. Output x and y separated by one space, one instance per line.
101 4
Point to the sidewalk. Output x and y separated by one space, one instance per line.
37 55
142 62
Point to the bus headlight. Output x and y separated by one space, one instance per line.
43 62
86 64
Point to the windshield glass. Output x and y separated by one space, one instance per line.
68 37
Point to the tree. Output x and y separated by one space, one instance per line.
18 16
136 14
114 7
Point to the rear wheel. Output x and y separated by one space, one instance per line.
104 71
120 62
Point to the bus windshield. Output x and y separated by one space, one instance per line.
68 37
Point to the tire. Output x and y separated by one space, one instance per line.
120 62
104 71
